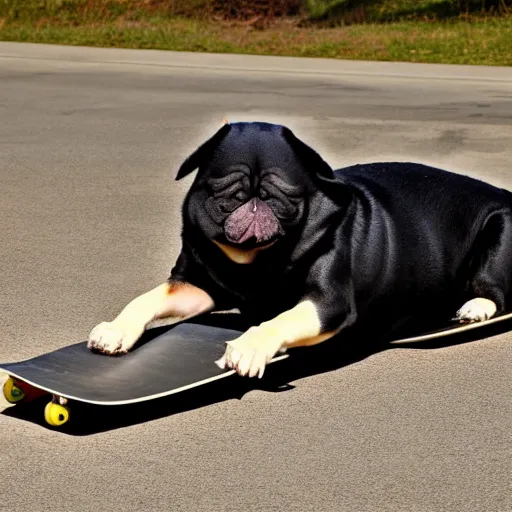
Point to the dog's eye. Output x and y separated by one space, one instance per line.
264 194
228 206
241 195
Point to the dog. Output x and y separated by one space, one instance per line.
307 253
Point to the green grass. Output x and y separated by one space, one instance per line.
131 24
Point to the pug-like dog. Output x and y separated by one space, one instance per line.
306 253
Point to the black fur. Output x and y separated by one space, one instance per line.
371 245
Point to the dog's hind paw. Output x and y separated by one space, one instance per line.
476 310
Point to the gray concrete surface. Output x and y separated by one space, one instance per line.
90 141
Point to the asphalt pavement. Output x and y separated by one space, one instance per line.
90 142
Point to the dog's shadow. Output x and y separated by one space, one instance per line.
303 362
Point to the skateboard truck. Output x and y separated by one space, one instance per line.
56 412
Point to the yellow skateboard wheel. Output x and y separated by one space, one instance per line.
56 414
12 392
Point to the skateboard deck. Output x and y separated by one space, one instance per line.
168 361
179 358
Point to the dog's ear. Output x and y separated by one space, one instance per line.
202 153
331 185
311 159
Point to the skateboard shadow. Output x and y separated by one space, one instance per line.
306 362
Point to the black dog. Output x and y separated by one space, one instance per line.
306 253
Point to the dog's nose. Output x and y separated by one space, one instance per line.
254 219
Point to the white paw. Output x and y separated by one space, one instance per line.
476 310
250 353
110 338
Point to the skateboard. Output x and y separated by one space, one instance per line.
167 361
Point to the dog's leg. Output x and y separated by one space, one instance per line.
327 307
491 283
299 326
171 299
476 310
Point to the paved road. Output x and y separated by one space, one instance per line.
90 141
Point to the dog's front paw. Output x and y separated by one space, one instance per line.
113 339
476 310
249 354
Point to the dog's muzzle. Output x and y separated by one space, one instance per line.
255 220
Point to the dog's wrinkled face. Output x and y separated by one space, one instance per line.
252 186
254 205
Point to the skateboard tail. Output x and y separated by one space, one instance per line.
449 331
